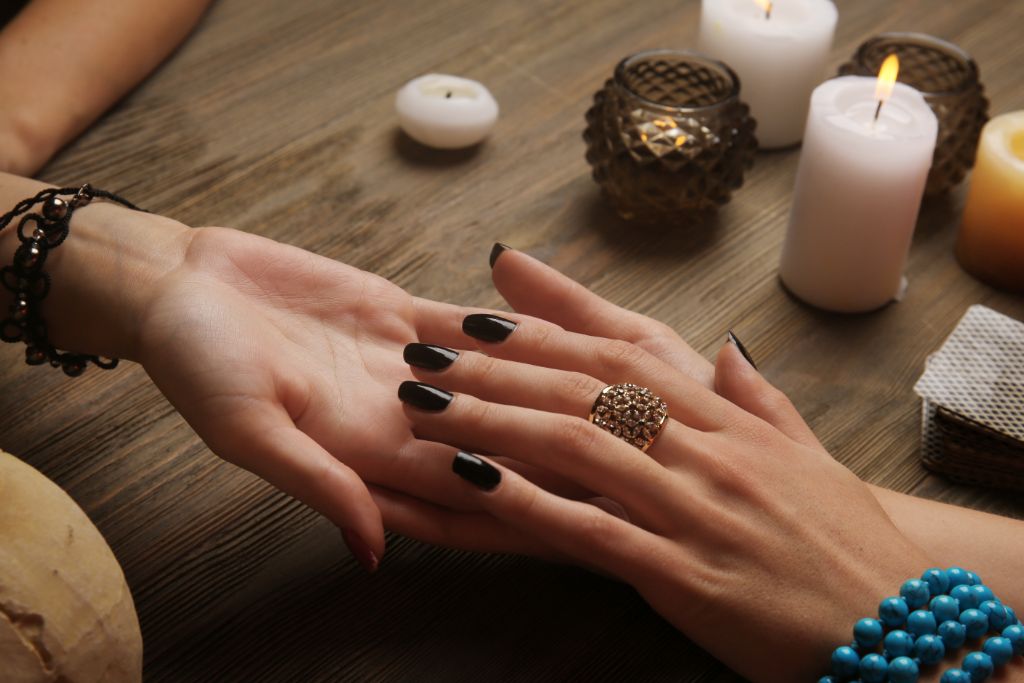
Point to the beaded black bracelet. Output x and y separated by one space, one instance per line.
38 234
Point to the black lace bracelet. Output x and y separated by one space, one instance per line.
38 234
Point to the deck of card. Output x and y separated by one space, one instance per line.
972 402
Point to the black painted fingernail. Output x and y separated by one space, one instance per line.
477 472
424 396
743 349
428 356
488 328
497 250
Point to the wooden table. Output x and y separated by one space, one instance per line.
277 118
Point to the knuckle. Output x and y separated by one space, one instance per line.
577 387
327 473
575 435
596 526
775 402
655 329
616 355
728 472
475 413
485 370
539 335
522 500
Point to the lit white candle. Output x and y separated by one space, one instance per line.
858 190
779 50
447 112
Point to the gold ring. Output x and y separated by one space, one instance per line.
630 412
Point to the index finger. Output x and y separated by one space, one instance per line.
536 289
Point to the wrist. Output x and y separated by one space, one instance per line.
22 150
103 275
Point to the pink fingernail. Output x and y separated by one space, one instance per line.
360 550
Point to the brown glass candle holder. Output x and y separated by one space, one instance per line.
949 80
668 135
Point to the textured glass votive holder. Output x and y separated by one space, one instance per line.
667 135
949 80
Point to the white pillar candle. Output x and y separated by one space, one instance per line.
447 112
858 190
778 53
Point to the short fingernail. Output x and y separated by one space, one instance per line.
424 396
497 250
476 471
428 356
488 328
360 550
743 349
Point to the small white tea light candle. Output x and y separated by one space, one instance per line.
859 183
779 50
446 112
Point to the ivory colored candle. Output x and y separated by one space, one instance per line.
779 55
991 240
858 190
446 112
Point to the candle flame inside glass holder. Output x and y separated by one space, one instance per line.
668 135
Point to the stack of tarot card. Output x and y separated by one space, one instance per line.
972 394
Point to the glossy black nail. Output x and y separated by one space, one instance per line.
488 328
477 472
497 250
428 356
424 396
743 349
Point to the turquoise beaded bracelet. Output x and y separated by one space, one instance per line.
932 616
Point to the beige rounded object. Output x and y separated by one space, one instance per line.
66 615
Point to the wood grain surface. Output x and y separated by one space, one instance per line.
277 118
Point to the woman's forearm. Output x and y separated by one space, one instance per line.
991 545
65 62
102 275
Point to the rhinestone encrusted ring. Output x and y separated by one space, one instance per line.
630 412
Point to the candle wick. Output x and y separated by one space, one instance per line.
878 109
448 95
768 11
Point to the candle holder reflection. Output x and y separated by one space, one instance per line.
949 80
668 135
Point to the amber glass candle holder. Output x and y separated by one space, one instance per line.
948 78
668 136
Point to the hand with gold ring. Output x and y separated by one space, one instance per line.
763 550
532 288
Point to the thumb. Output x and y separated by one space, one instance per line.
737 380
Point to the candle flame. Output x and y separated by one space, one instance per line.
887 77
766 5
663 131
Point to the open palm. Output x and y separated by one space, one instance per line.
286 364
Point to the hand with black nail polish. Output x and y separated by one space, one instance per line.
769 480
730 493
289 369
